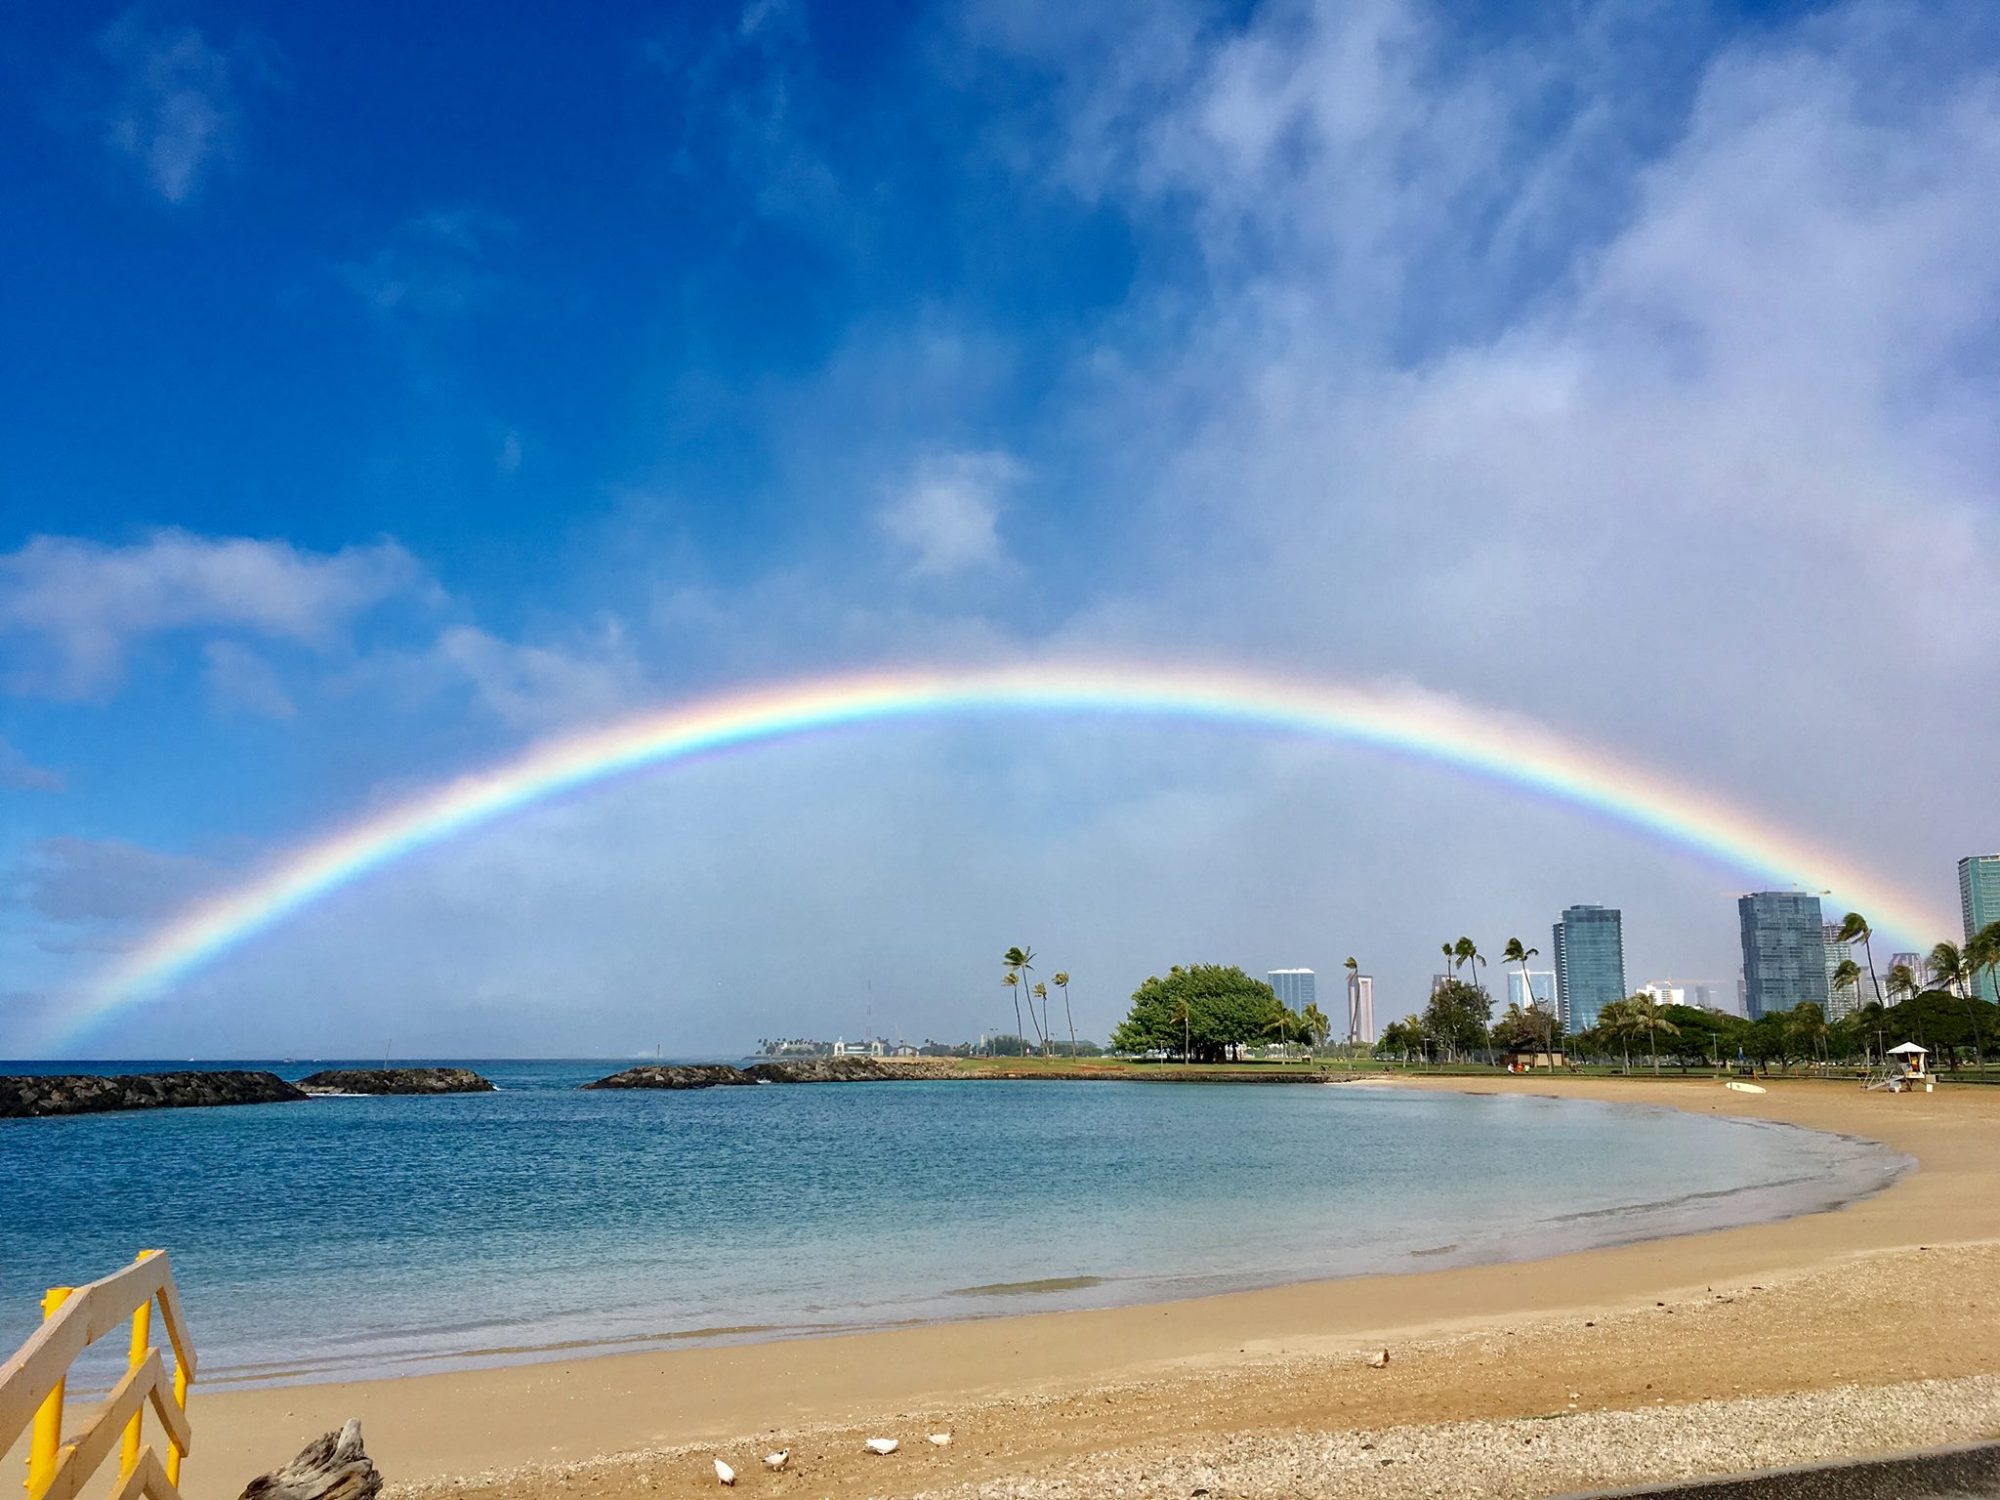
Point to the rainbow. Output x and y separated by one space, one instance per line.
1505 748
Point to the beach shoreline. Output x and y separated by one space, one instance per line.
1289 1356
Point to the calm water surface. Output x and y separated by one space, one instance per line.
342 1237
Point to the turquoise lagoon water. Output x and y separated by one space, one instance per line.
347 1237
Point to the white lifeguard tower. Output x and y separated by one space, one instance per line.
1907 1071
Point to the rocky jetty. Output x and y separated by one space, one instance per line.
674 1076
25 1095
396 1081
797 1070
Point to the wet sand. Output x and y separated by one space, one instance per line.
1889 1306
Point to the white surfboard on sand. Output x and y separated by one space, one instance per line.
1743 1088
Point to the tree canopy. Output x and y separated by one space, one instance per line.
1211 1009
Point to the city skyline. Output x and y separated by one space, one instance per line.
738 349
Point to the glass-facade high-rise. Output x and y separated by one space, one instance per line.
1590 964
1295 988
1784 951
1539 991
1979 904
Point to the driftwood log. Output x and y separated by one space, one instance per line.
330 1467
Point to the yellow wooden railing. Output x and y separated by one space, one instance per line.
31 1386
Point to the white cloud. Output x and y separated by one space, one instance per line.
945 519
178 113
71 608
21 774
74 881
241 680
435 264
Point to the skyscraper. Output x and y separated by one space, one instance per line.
1295 987
1840 1003
1784 951
1590 964
1540 989
1361 1008
1979 904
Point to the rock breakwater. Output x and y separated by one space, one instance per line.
396 1081
33 1095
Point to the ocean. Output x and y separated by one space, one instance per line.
349 1237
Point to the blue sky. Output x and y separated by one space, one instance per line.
389 390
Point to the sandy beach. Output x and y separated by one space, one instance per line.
1868 1329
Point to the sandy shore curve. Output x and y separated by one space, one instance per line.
1895 1294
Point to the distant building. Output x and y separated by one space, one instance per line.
1540 990
872 1048
1361 1008
1590 964
1840 1004
1711 994
1979 904
1295 987
1439 981
1784 952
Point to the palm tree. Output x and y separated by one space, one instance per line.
1983 952
1451 959
1282 1023
1013 983
1946 966
1854 927
1317 1027
1467 952
1615 1020
1643 1012
1846 976
1514 953
1183 1012
1903 983
1353 968
1951 971
1020 963
1060 979
1042 994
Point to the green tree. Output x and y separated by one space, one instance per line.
1457 1016
1211 1010
1317 1027
1615 1022
1401 1038
1950 971
1983 952
1806 1022
1042 994
1060 979
1013 982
